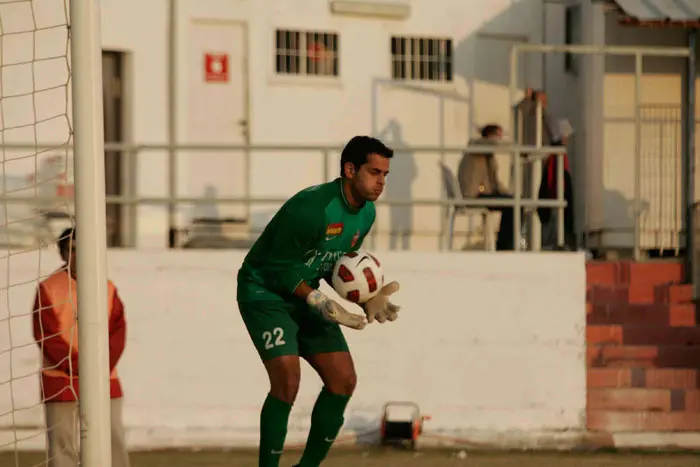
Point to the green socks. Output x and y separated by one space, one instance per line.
273 430
326 421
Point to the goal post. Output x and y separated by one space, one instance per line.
91 238
52 162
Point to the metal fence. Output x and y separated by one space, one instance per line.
656 172
133 152
662 222
659 172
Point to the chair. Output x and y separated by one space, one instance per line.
453 192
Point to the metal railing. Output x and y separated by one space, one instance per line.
517 202
637 53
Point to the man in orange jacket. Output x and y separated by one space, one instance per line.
56 333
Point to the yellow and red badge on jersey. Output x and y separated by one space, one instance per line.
333 230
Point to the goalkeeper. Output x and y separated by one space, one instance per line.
288 317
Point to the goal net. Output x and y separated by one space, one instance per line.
36 186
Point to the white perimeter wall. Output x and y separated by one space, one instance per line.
492 346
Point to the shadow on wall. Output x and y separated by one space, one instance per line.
430 113
482 59
618 221
206 227
366 429
398 188
620 209
406 115
208 210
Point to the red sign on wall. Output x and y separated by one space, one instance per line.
216 68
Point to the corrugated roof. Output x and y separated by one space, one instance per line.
661 10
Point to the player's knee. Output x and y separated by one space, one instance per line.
343 383
285 391
285 376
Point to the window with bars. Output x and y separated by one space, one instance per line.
421 58
310 53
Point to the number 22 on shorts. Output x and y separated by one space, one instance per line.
273 339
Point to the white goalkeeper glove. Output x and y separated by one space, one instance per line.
333 312
379 307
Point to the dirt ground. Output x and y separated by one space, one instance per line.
390 458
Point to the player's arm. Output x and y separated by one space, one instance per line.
303 290
304 230
50 335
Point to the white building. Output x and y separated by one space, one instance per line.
598 94
354 92
414 72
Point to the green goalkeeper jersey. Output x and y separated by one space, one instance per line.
302 242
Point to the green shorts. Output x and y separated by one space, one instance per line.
282 328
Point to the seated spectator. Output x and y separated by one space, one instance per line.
478 178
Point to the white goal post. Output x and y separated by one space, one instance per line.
51 106
91 238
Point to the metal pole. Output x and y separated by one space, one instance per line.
91 237
637 154
172 121
325 165
132 157
445 215
441 126
535 170
163 201
689 156
517 172
295 148
605 49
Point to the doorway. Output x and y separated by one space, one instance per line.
217 113
112 85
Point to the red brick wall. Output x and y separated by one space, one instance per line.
643 348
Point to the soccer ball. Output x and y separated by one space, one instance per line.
357 276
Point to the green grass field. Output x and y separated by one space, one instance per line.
389 458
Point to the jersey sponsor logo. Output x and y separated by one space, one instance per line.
333 230
354 240
310 257
322 261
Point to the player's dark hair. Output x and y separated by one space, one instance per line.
358 150
64 240
490 130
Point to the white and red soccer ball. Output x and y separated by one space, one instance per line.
358 276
